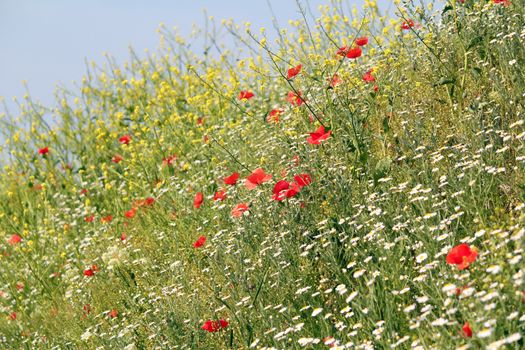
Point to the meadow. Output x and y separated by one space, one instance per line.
356 181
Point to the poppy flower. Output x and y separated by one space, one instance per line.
354 52
130 213
293 190
219 195
368 77
200 121
295 99
335 81
199 198
239 209
107 219
284 189
461 255
117 158
15 239
149 201
43 151
292 72
199 242
89 272
256 178
232 179
83 191
89 218
169 160
279 190
214 326
245 95
361 41
303 180
503 2
342 51
407 24
123 236
126 139
113 313
12 316
467 331
274 115
317 136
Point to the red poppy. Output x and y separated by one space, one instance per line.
361 41
354 52
12 316
503 2
123 236
466 330
219 195
200 120
256 178
15 239
43 151
293 190
113 313
279 190
199 198
169 160
214 326
303 180
199 242
232 179
107 219
317 136
89 272
149 201
239 209
130 213
292 72
462 255
245 95
89 218
284 189
126 139
295 99
274 115
117 158
342 51
407 24
83 191
368 77
335 81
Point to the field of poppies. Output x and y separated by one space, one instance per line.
354 181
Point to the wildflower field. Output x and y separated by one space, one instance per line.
353 181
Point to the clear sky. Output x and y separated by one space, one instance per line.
46 42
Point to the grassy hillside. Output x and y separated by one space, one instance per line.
380 198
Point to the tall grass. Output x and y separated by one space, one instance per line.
108 245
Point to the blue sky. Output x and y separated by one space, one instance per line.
46 42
